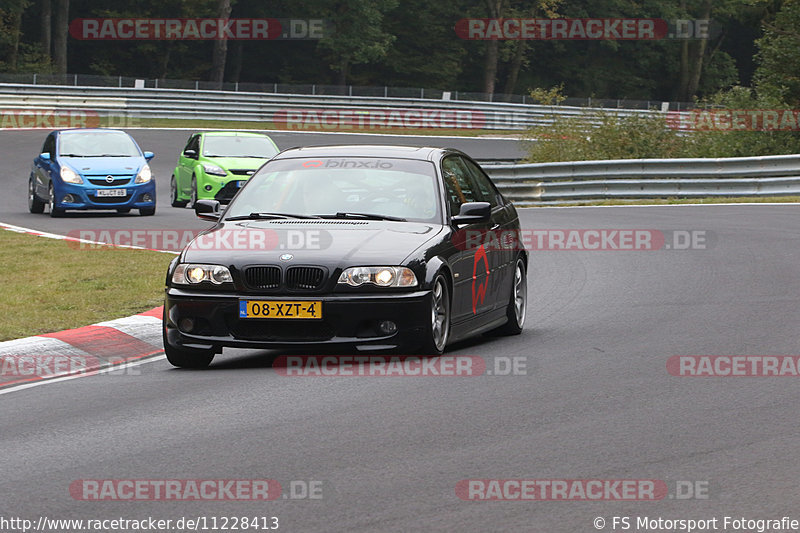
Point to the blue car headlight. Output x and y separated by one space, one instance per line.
70 176
144 174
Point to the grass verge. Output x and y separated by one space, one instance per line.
133 122
50 285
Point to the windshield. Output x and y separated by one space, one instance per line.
392 188
97 144
238 146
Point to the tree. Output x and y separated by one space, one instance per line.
778 73
359 35
60 36
220 52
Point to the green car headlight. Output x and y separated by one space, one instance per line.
214 170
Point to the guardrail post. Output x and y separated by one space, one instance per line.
313 89
422 92
236 86
351 90
76 79
155 83
196 85
34 79
385 91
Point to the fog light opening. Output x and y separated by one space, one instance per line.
208 188
387 327
146 197
68 199
186 324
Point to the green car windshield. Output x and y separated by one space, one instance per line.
238 146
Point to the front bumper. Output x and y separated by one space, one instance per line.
349 321
85 197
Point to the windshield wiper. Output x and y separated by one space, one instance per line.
269 216
74 155
365 216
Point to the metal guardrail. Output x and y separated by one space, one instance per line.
295 112
571 182
93 80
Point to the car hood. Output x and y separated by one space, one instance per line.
249 163
330 243
104 165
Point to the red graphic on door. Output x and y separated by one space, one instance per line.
479 292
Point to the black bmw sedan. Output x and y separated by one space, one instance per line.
362 248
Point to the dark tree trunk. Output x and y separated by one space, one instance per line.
496 8
60 36
220 47
516 65
46 24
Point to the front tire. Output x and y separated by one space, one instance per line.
54 213
173 193
35 204
437 332
194 190
517 304
184 357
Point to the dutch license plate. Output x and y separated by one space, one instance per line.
111 192
280 309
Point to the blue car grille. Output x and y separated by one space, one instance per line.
116 182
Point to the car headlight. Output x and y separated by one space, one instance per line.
390 276
144 174
70 176
192 274
214 170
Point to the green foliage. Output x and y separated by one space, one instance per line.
604 135
778 73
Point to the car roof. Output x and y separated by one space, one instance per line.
424 153
227 133
91 130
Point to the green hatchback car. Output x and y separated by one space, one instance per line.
215 164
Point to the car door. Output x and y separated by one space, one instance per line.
503 237
43 167
472 262
186 164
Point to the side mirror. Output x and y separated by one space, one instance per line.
191 154
473 212
149 155
45 156
207 209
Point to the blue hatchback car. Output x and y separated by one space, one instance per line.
91 169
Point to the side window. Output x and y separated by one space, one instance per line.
49 145
486 189
458 184
193 143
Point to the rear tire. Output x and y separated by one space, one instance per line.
437 332
54 213
173 193
35 204
516 310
